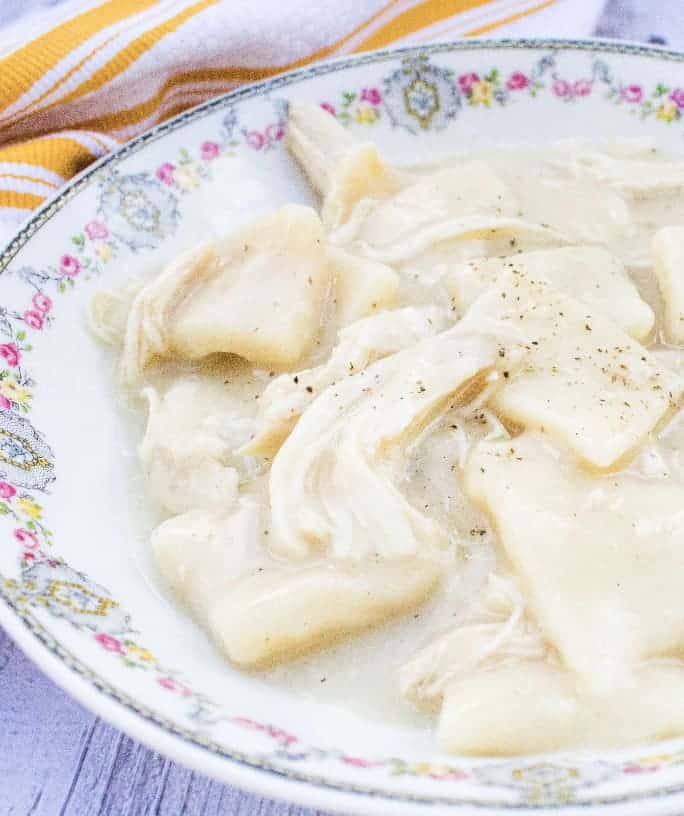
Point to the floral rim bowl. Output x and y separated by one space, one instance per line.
75 590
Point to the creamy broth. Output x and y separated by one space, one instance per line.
425 264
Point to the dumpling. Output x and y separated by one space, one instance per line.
278 614
360 344
393 216
332 483
668 255
257 294
261 613
533 707
200 554
343 171
590 274
187 453
362 287
600 557
585 382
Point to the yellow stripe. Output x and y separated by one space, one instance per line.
475 32
32 179
131 116
58 154
421 16
28 64
134 50
24 201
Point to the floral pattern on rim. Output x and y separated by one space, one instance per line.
135 212
46 581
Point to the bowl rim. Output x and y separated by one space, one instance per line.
144 725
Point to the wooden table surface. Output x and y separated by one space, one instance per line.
58 759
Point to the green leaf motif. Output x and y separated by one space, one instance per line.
21 335
78 240
4 509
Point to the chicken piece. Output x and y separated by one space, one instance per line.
637 177
279 614
583 209
495 631
108 311
360 344
187 453
362 287
393 216
628 606
585 381
332 483
590 274
668 254
257 294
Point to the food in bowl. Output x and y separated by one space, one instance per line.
448 400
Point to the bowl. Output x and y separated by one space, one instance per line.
77 589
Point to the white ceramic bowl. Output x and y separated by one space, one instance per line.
74 574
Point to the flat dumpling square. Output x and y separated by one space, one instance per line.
585 382
590 274
668 258
601 558
264 300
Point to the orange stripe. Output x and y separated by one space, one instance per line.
31 106
28 64
59 154
129 117
134 50
421 16
475 32
25 201
32 179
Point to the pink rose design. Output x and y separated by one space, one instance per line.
328 107
42 302
280 735
447 774
517 81
5 404
677 96
561 87
29 556
359 762
466 82
165 173
275 132
11 354
7 491
33 319
174 686
640 769
371 95
27 538
110 643
69 266
96 229
582 87
632 93
210 150
255 139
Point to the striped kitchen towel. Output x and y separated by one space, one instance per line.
79 79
